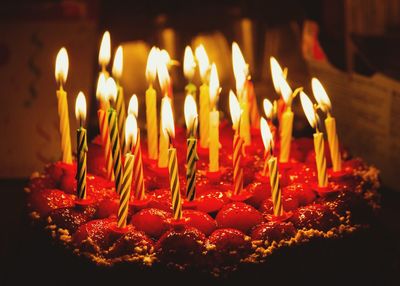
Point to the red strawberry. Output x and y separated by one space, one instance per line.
200 220
108 208
314 216
302 174
160 199
73 217
95 158
273 231
132 242
288 202
211 201
58 169
151 221
300 192
238 215
183 246
49 199
68 183
261 191
230 245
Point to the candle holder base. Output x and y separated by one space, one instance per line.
118 230
285 216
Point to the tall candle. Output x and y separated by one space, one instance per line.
330 123
105 53
204 97
113 133
61 73
214 121
190 111
189 66
80 112
320 160
238 142
151 105
120 102
164 141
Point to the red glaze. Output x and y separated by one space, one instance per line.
47 200
238 215
108 208
133 241
289 203
152 222
160 199
211 201
273 231
68 182
315 216
73 217
200 220
300 192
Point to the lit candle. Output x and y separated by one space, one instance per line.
105 53
168 128
61 73
240 71
238 142
113 133
313 119
330 123
204 97
151 105
214 120
80 112
163 75
270 111
138 185
101 94
190 111
120 102
189 66
277 72
273 168
125 195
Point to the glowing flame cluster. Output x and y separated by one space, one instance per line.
167 118
279 80
190 111
204 62
320 95
266 134
189 64
105 49
308 108
131 130
240 68
235 109
118 63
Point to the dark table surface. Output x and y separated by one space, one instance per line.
370 257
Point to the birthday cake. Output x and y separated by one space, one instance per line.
219 230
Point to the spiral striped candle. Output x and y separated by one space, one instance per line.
191 159
64 126
320 159
81 165
164 140
151 120
105 139
174 183
286 135
115 147
330 124
138 169
237 168
275 186
204 115
125 190
121 115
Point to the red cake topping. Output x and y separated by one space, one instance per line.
238 215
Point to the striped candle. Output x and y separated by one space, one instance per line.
275 186
80 112
174 183
320 159
330 125
151 120
138 169
125 190
105 139
115 147
191 159
237 168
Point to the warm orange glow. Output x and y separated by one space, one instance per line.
118 63
276 72
204 62
163 76
268 108
101 89
190 110
214 86
266 134
320 95
285 89
105 49
62 64
151 67
167 118
308 109
234 108
133 107
80 107
111 89
131 130
240 69
189 65
165 57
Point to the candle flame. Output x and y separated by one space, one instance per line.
167 118
151 67
62 64
111 89
166 58
118 63
131 130
189 64
105 49
163 76
268 108
101 89
240 69
133 107
214 86
320 95
80 107
190 111
285 89
266 134
276 72
204 62
308 109
235 109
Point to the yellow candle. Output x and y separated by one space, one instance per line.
320 160
204 97
125 195
164 140
61 73
80 112
214 121
151 105
286 135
